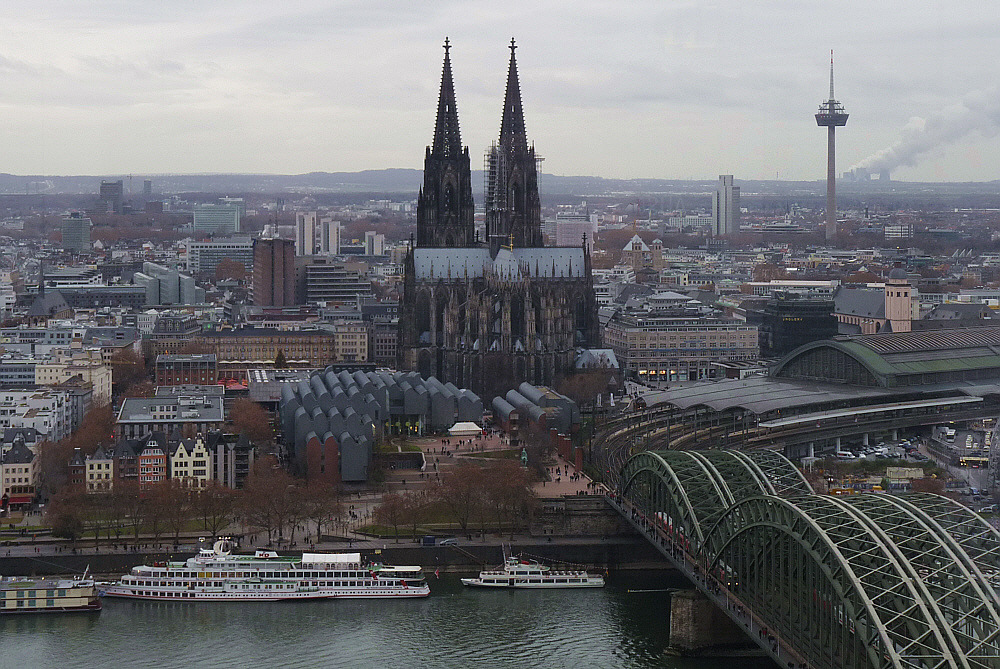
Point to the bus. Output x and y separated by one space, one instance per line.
975 462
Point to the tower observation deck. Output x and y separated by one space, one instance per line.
831 114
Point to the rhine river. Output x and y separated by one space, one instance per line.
622 625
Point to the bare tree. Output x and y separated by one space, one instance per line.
321 505
127 367
230 269
459 491
266 503
65 515
251 419
216 505
101 514
418 503
175 500
392 511
126 499
154 515
507 493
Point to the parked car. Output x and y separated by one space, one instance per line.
448 542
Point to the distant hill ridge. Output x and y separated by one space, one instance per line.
407 181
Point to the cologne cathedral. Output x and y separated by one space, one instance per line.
487 314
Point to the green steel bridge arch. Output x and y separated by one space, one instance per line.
869 580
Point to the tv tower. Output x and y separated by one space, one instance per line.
830 115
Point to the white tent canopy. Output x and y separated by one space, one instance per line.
464 429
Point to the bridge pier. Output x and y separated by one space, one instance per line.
699 627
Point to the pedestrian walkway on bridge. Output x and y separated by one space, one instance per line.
818 581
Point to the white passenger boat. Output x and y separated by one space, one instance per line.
519 573
219 575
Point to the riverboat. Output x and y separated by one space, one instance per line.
520 573
48 595
217 574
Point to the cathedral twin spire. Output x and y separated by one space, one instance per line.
445 210
447 136
512 132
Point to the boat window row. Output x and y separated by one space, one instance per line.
32 594
34 603
268 574
219 584
505 581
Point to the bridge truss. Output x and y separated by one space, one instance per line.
858 581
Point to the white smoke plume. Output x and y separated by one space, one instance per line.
979 111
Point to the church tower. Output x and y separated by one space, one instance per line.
445 209
513 208
898 308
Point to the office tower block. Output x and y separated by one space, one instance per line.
726 207
217 219
305 233
374 243
329 236
274 272
76 233
111 196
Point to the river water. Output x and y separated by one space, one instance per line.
621 625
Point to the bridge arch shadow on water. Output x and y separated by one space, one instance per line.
870 580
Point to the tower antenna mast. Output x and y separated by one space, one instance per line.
831 114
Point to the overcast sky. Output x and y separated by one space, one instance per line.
635 88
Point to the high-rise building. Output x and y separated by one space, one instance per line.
76 233
112 195
374 243
165 285
328 281
726 207
147 187
789 319
217 219
305 233
274 272
237 202
203 256
329 236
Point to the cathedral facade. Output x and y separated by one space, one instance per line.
487 314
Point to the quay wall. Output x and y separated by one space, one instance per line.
569 530
613 554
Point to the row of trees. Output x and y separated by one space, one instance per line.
271 503
498 496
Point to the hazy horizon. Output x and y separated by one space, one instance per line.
638 90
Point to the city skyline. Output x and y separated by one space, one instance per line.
637 91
